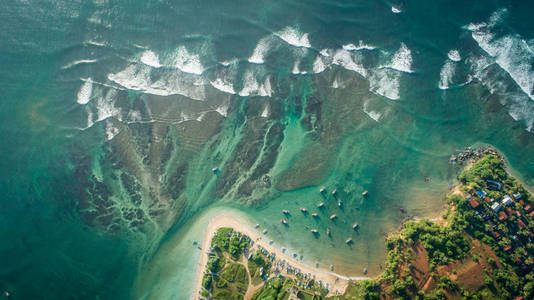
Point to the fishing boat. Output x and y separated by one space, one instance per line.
356 226
285 212
257 226
331 267
315 215
302 209
264 231
365 193
328 232
334 192
349 241
320 205
322 190
364 271
215 170
314 231
340 203
283 221
333 217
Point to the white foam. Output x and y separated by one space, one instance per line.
454 55
78 62
265 112
344 59
395 10
250 84
296 70
150 58
402 60
293 37
520 106
258 55
371 113
188 62
222 110
265 89
361 46
111 131
385 82
446 74
84 94
137 77
510 52
335 83
223 85
318 65
325 52
105 107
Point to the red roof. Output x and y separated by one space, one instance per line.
496 234
522 202
531 213
509 211
528 207
474 203
507 248
487 199
502 216
521 224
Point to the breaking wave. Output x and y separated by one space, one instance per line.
293 37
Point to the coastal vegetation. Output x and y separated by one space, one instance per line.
482 248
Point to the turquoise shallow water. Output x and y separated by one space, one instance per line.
114 113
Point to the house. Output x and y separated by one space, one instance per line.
496 235
517 196
507 200
531 214
521 223
502 216
507 248
494 185
528 208
522 202
474 203
488 200
509 211
481 193
496 207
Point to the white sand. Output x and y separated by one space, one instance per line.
337 283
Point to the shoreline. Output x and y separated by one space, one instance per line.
337 282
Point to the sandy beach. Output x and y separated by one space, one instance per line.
337 283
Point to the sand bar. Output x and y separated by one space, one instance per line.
337 283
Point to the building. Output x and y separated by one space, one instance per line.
517 196
502 216
488 200
496 207
521 223
528 208
474 203
507 200
481 193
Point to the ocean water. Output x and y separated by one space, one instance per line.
114 113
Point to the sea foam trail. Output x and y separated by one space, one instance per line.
137 77
223 85
385 82
293 37
520 106
402 59
361 46
446 74
511 52
261 49
251 86
344 59
85 92
150 58
188 62
78 62
454 55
